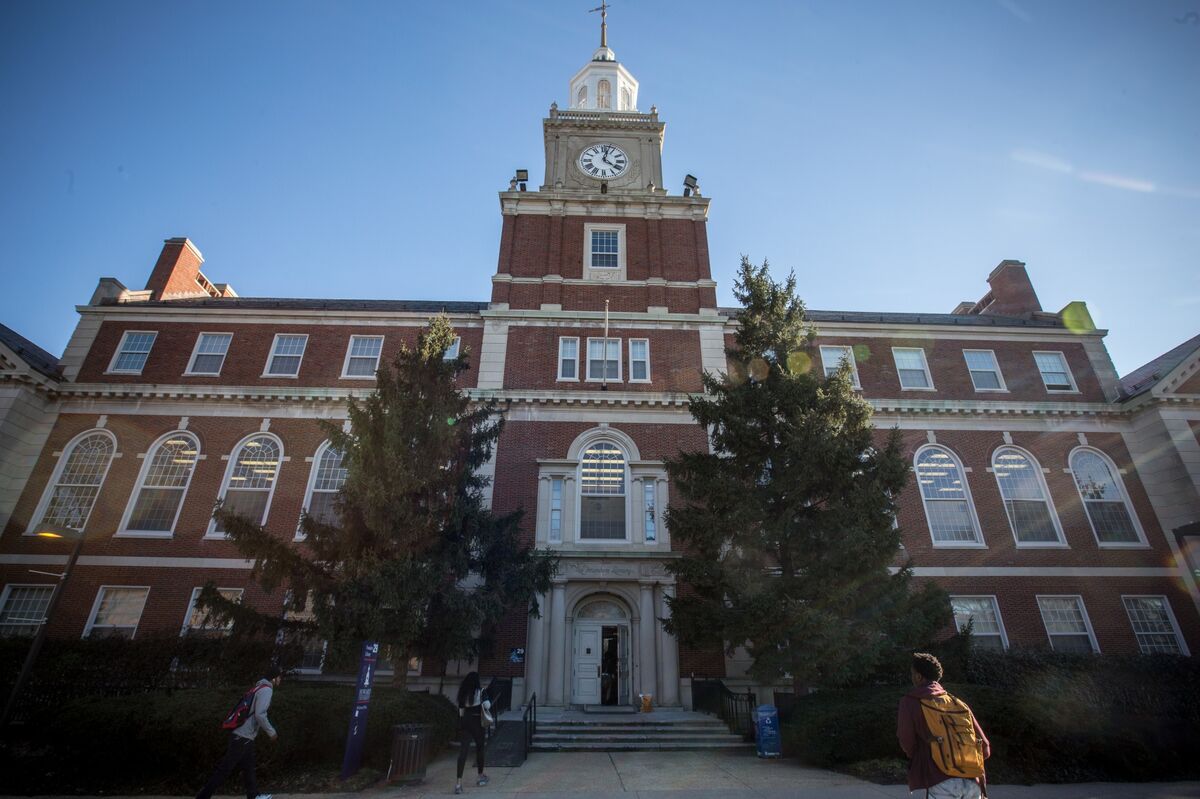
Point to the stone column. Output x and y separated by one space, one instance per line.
558 612
646 646
670 651
535 653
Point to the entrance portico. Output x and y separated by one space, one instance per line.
600 638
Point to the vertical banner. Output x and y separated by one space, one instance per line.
358 717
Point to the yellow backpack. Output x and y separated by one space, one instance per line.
957 750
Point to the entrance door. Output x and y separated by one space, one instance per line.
623 664
586 682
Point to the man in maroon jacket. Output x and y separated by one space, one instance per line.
914 737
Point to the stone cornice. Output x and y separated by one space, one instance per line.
551 203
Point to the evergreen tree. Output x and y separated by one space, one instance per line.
787 524
414 561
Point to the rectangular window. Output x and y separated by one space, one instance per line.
987 630
286 354
117 611
452 351
568 359
133 351
605 249
556 489
1067 624
604 359
832 357
209 355
196 622
650 510
639 360
985 372
312 659
362 356
1154 625
912 368
1055 374
23 608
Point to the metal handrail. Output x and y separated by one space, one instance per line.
529 722
736 710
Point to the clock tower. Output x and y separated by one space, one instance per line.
602 231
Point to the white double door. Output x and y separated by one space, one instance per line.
589 685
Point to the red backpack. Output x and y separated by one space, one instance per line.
241 710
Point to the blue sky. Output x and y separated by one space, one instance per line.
890 153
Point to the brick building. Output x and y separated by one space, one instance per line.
1047 492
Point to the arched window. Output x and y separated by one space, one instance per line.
581 98
250 479
158 497
1026 499
947 498
328 476
76 484
603 94
602 492
1104 499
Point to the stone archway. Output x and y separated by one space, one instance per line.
601 651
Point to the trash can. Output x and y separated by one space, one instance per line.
767 731
410 753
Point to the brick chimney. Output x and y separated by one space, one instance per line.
1011 294
177 273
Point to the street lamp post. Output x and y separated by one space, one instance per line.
47 531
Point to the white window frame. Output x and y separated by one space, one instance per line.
628 494
91 622
191 367
588 354
212 533
605 273
346 361
452 351
1003 389
1087 621
995 607
1180 641
646 379
112 365
560 377
1061 543
846 353
123 530
187 617
312 484
271 356
979 542
1118 478
554 525
1074 389
48 491
6 592
924 363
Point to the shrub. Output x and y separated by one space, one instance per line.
174 740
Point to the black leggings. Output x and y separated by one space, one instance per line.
470 726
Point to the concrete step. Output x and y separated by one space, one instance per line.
677 739
642 746
623 723
659 732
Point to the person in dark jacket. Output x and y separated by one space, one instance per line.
240 752
471 704
914 736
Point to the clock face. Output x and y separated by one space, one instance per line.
604 161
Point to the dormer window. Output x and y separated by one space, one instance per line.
603 94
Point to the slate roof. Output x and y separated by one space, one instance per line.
1143 378
38 359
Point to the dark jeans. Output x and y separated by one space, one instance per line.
470 727
240 753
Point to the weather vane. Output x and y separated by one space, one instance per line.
603 9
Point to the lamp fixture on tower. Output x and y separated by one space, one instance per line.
690 186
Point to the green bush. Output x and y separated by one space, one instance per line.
174 740
1051 719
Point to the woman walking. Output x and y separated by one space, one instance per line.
471 704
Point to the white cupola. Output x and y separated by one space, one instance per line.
603 84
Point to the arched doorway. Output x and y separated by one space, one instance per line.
600 669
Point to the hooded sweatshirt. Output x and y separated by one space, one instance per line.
914 735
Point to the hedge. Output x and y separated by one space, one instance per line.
172 741
1050 718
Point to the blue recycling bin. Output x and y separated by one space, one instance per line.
767 729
